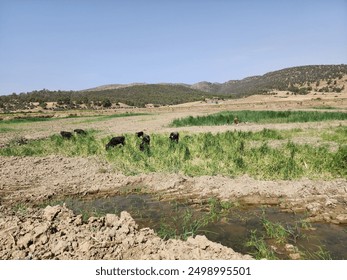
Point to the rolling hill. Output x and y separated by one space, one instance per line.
288 79
297 80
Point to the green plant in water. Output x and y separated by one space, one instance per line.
275 231
259 247
320 254
217 209
182 226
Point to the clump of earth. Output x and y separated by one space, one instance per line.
55 232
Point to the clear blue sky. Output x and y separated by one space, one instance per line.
78 44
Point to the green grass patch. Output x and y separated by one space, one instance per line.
5 129
89 118
338 135
227 117
228 153
25 120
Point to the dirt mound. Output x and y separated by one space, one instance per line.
57 233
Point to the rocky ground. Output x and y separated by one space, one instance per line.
56 233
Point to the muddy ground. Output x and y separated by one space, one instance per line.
57 233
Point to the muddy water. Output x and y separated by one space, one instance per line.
232 229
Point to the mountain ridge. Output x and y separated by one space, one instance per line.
290 78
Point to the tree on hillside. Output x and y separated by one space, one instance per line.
106 103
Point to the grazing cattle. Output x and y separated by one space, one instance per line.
139 134
174 136
66 134
142 146
118 140
146 140
80 131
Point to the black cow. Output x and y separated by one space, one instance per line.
146 140
80 131
139 134
66 134
118 140
174 136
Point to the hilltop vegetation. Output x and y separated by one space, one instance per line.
138 96
295 80
298 80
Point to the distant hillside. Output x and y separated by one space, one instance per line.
132 95
295 80
290 79
157 94
118 86
114 86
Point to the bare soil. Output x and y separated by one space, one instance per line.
57 233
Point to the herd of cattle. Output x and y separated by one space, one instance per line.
120 140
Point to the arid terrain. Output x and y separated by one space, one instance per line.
57 233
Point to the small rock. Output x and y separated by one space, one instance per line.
112 232
25 241
78 220
18 255
199 240
85 247
40 230
141 238
43 239
74 245
124 229
342 218
111 220
295 256
50 212
32 248
326 217
330 202
59 247
314 207
92 220
290 248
